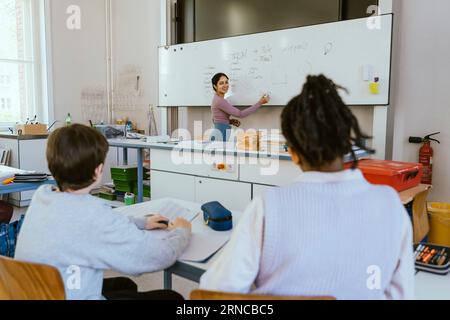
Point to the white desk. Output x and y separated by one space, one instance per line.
432 287
428 286
189 270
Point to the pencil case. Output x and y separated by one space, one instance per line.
217 217
432 258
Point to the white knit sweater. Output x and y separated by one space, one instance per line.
327 234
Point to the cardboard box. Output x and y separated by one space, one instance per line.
31 129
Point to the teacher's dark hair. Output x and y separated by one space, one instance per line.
319 127
215 80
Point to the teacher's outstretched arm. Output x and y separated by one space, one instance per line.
228 108
221 109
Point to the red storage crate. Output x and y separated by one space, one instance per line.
399 175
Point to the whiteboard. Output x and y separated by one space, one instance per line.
278 62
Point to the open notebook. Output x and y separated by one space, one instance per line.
167 208
204 243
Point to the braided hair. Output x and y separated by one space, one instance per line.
318 125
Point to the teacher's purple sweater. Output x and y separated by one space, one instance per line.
222 110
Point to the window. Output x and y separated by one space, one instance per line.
20 64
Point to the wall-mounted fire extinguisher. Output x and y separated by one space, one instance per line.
426 156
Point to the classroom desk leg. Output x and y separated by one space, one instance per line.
140 160
167 280
125 156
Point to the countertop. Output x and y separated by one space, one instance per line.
210 147
6 135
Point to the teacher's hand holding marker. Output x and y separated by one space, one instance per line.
222 110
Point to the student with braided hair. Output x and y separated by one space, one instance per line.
328 233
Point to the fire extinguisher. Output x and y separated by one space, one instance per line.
426 156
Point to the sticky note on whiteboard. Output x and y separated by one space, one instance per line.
367 72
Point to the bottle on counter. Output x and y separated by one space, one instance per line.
68 120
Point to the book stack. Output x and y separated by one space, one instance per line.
30 177
125 180
5 157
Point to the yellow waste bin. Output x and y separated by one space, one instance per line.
439 223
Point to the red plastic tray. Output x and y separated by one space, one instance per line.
399 175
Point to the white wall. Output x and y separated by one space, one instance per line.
265 118
79 56
136 37
421 89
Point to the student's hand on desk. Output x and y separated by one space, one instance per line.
180 223
156 221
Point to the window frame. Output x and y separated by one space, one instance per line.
37 84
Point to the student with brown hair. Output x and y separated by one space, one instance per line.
81 235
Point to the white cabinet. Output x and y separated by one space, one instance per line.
196 163
26 154
172 185
232 195
272 172
201 177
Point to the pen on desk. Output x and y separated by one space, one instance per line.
438 257
442 260
429 256
418 251
424 252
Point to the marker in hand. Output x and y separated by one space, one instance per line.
265 99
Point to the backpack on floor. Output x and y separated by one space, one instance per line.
6 212
8 237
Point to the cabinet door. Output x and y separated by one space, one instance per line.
272 172
232 195
172 185
32 157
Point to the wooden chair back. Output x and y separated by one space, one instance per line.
214 295
29 281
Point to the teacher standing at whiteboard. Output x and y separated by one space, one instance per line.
222 110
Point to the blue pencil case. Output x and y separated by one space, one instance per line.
217 217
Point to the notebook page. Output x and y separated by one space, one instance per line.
166 208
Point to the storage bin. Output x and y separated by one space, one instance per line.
399 175
439 223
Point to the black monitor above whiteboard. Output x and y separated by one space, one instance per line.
352 53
